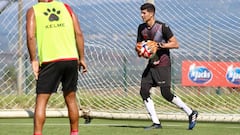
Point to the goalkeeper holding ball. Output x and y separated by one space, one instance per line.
159 38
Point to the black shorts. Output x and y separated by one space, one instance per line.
157 76
51 74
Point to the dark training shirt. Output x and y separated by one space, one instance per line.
159 32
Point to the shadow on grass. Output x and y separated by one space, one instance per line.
127 126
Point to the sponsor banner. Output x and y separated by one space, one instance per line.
203 73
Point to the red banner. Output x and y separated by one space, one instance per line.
203 73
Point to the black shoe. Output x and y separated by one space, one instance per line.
192 120
88 120
154 126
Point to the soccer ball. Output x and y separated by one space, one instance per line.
145 50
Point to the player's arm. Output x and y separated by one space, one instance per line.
138 45
171 44
30 28
169 37
80 41
31 40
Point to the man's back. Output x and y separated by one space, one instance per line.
54 32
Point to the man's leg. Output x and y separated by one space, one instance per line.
73 112
145 94
146 85
192 115
40 112
166 92
150 107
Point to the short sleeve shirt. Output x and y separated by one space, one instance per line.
159 32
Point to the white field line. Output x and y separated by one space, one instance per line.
99 125
57 124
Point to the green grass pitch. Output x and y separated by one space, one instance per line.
60 126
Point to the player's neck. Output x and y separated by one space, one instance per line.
45 0
150 23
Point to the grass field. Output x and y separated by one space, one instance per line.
60 126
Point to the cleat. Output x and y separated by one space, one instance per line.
153 126
192 120
88 119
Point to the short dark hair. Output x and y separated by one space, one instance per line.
149 6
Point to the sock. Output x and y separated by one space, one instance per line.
37 134
151 110
74 132
178 102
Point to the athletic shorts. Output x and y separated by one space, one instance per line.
157 76
51 74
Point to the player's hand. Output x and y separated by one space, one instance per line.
35 67
138 48
82 65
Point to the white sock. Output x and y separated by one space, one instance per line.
151 110
178 102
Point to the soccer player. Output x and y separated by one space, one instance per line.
56 47
158 70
